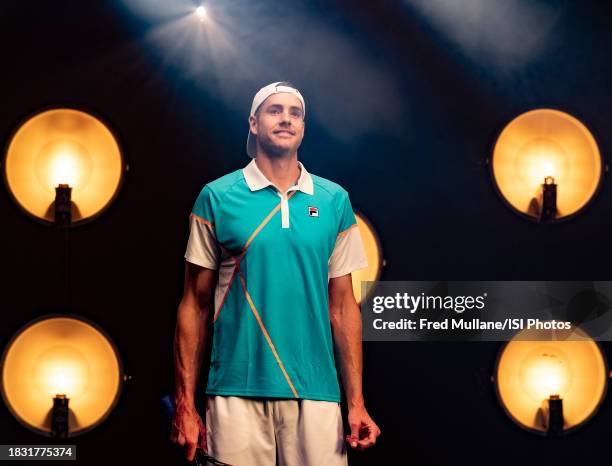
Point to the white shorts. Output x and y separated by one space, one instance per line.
271 432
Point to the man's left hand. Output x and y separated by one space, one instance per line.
364 430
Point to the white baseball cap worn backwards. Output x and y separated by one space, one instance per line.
263 94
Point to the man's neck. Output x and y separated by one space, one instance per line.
283 172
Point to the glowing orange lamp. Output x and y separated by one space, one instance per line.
551 381
61 376
546 164
373 254
63 166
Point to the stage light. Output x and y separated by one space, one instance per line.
61 376
201 12
546 165
551 381
373 253
63 166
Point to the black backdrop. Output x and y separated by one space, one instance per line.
424 185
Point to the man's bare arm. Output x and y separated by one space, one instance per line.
345 318
193 321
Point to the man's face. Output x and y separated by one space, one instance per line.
279 124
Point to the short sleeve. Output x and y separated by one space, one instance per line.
348 254
202 246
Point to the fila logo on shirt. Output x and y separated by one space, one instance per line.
313 211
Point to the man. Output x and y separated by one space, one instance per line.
276 246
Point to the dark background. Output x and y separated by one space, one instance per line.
400 112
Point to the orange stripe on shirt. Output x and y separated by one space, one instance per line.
244 249
200 219
265 332
257 230
261 225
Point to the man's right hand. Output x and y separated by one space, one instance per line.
188 431
193 321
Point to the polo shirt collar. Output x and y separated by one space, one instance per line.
257 180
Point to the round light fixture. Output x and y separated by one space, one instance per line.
65 156
539 372
546 164
201 12
373 254
61 358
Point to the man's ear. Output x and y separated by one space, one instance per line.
253 124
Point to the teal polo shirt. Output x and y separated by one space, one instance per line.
275 253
